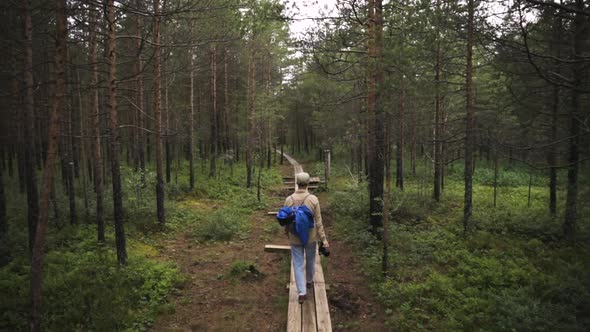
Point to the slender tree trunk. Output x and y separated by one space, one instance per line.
158 87
530 188
214 140
141 137
49 169
192 123
443 145
226 122
282 150
19 119
70 164
29 125
437 118
95 109
375 112
469 124
413 141
552 158
167 129
580 30
250 118
70 175
385 258
495 176
83 159
114 134
399 182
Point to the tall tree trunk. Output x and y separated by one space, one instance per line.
226 122
469 125
19 119
29 125
437 116
580 30
413 141
167 128
49 169
552 158
399 180
158 87
214 140
83 159
70 159
375 112
95 109
70 168
114 134
496 162
141 137
443 144
191 146
385 257
250 117
553 155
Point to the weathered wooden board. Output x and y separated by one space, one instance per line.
294 310
308 314
324 322
277 248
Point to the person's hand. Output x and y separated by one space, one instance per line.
325 249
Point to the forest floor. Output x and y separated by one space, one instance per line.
218 297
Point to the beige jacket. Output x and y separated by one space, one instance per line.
311 201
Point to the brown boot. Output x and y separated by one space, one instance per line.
302 298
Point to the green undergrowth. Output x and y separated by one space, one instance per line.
514 273
245 270
83 289
218 209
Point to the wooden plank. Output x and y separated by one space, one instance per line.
319 272
276 248
294 311
308 314
324 322
308 309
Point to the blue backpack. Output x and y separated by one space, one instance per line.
301 215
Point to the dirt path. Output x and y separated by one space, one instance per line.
214 300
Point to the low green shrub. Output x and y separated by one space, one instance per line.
221 225
245 270
515 272
83 290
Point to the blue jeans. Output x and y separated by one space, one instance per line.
297 252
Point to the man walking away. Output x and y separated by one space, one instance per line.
298 250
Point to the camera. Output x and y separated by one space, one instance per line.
323 250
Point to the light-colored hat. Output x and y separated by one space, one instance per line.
302 178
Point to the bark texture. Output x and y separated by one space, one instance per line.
114 135
158 87
49 169
469 125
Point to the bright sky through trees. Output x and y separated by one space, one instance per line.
305 12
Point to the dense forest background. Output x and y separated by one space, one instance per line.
459 133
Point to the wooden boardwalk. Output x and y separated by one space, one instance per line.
314 314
